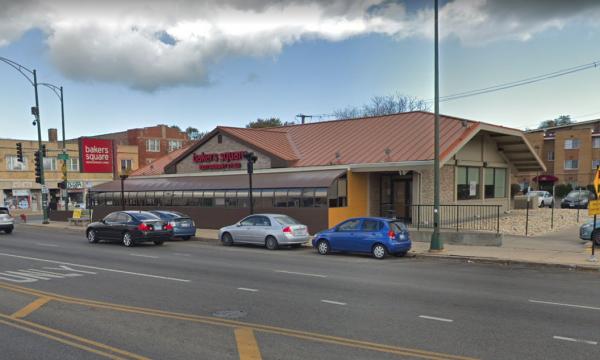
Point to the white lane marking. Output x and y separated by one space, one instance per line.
300 273
62 267
95 268
567 305
435 318
180 254
248 289
48 245
334 302
144 256
589 342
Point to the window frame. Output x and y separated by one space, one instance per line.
485 184
11 161
550 158
574 144
155 148
70 163
571 168
52 162
468 184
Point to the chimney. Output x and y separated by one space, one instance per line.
52 135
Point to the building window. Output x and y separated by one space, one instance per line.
220 139
14 165
595 164
596 143
571 164
550 155
467 185
495 183
338 192
572 144
126 165
153 145
175 144
50 163
73 164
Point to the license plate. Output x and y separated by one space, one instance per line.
185 225
572 205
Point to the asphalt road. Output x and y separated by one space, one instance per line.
62 298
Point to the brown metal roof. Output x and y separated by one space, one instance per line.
320 178
157 167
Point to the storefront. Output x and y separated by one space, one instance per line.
323 173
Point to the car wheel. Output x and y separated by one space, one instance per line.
596 238
127 240
8 231
226 239
323 247
271 243
379 251
186 237
400 254
91 236
159 242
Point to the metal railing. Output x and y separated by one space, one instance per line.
454 217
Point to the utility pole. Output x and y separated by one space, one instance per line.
251 159
36 113
436 241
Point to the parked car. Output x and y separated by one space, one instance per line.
270 230
130 228
544 198
377 236
577 199
587 232
7 223
183 226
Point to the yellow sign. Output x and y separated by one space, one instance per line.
594 207
77 214
597 181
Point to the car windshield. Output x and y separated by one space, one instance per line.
286 220
574 195
144 216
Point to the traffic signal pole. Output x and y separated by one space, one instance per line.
39 131
436 242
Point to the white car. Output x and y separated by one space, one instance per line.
7 223
544 198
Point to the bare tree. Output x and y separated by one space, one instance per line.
383 105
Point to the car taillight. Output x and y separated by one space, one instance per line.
287 229
172 223
144 227
168 227
392 235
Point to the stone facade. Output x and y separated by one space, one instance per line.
187 164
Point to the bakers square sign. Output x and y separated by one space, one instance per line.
219 161
96 155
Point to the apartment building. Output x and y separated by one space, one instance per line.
571 154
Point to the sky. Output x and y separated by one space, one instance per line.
127 64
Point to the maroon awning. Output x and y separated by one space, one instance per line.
545 178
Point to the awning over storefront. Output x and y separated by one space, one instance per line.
266 180
545 178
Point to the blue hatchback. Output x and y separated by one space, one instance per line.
183 226
377 236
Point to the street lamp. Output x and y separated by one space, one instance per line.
251 159
436 242
123 178
35 111
59 92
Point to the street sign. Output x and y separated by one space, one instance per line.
63 156
594 207
597 181
44 189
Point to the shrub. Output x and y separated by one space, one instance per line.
561 190
514 189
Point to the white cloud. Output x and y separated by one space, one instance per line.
152 44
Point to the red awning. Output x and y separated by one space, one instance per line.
545 178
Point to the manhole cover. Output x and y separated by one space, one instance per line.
230 314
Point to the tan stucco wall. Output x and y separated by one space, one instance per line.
187 165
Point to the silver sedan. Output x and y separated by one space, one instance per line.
270 230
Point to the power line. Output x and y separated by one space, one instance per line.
522 82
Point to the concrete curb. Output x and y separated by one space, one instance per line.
70 228
491 260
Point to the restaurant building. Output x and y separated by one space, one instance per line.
322 173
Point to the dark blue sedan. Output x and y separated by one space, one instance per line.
183 226
377 236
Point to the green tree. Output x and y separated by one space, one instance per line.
264 123
559 121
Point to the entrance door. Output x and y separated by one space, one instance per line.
401 199
396 196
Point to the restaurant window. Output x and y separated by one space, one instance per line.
495 183
467 184
294 197
338 192
263 199
572 144
208 199
73 164
231 199
596 142
50 163
550 155
219 199
280 198
153 145
243 200
321 197
178 199
13 164
308 198
571 164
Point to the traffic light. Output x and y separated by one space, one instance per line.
44 153
62 185
20 152
251 158
38 167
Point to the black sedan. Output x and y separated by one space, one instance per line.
130 227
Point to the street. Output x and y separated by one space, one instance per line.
62 298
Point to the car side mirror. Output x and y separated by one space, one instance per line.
238 224
103 221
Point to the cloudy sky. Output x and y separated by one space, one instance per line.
137 63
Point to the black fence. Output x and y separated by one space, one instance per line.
455 217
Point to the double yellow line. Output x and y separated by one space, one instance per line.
310 336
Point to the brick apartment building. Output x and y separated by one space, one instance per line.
153 142
570 152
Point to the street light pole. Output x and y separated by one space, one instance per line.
123 177
251 159
436 241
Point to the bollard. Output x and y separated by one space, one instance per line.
527 218
593 257
23 217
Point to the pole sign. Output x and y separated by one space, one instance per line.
597 181
96 155
594 207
